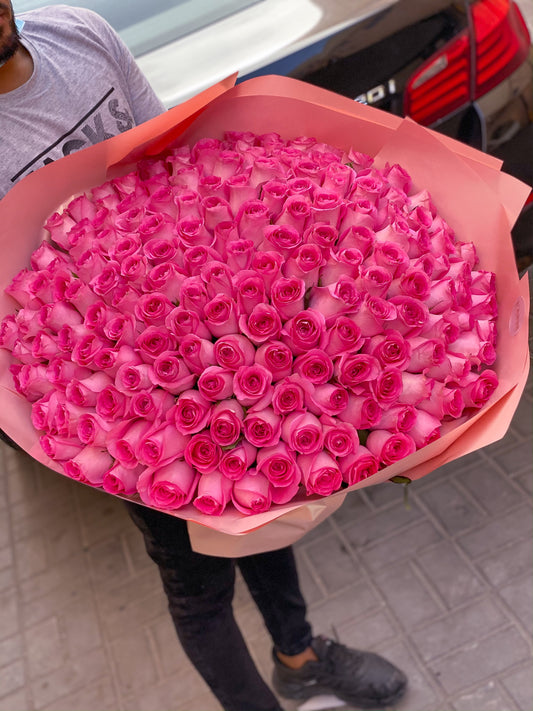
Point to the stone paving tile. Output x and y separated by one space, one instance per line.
519 597
17 701
514 561
407 595
99 695
519 684
450 574
489 696
455 511
480 660
456 628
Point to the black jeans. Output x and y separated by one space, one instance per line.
200 589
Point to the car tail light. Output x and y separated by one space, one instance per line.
502 42
441 84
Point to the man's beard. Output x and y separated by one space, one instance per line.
9 46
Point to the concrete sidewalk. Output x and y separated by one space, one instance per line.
443 587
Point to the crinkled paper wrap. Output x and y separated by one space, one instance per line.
480 203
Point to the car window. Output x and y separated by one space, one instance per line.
148 25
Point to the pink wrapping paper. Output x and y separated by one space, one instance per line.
480 202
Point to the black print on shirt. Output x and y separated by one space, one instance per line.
90 129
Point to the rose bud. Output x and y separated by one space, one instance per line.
168 487
280 468
358 466
390 447
320 472
203 453
236 462
252 493
214 493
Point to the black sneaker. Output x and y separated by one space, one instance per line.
360 679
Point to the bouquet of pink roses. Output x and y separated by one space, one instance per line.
244 321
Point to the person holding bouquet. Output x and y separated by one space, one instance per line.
66 82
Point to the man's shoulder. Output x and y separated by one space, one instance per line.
54 15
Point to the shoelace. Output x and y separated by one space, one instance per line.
337 656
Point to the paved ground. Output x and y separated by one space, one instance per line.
443 587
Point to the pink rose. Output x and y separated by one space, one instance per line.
363 412
262 428
304 331
197 353
287 296
358 466
279 466
252 218
411 315
329 398
320 472
121 481
250 291
353 369
203 453
191 231
425 353
152 309
215 210
183 322
170 372
276 357
191 413
221 315
289 395
193 295
302 432
390 348
215 383
315 366
267 265
153 341
214 493
83 393
93 429
252 386
305 263
218 278
111 404
425 429
262 324
56 315
296 212
340 438
477 389
236 462
160 444
341 296
131 378
284 238
123 441
390 447
252 493
392 257
324 236
444 401
89 465
168 487
377 315
398 418
226 422
233 351
58 448
150 404
273 194
342 336
345 262
387 387
239 254
415 388
413 282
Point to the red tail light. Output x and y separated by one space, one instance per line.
441 84
502 42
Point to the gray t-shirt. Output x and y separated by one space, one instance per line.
85 87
